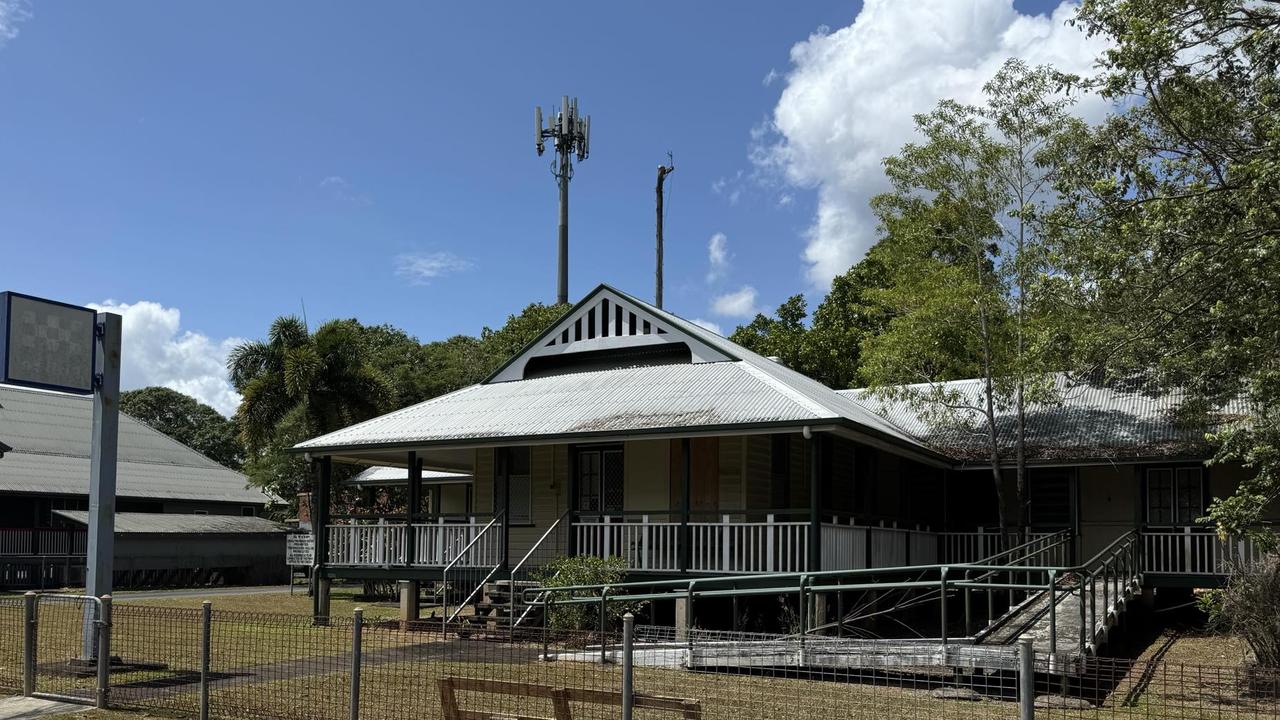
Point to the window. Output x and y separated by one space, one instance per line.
1175 496
600 483
248 511
1051 500
513 480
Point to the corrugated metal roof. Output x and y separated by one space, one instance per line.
1093 422
50 434
384 475
628 399
149 523
751 390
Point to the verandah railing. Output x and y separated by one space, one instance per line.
1195 551
383 544
39 542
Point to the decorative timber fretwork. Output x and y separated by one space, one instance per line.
607 321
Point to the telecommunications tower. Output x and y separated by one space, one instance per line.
571 134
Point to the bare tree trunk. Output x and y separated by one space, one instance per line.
990 411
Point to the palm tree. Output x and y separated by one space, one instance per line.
324 380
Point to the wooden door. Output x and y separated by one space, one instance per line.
704 469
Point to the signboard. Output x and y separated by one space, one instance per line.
46 344
300 549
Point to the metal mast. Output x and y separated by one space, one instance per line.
571 134
663 172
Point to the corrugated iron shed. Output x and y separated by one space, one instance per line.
1084 422
173 523
50 434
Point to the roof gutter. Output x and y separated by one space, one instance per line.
357 454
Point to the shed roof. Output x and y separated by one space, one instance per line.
1113 421
737 389
50 434
173 523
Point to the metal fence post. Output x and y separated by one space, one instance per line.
1026 679
29 626
104 653
206 636
604 644
357 636
628 689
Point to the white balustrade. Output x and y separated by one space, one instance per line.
1193 551
758 546
770 546
644 544
366 545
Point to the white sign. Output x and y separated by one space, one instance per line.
46 344
300 549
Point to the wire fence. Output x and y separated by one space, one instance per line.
209 663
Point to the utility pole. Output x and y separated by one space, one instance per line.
663 172
571 134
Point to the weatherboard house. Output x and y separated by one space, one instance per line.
181 518
626 431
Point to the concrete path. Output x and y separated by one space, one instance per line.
22 708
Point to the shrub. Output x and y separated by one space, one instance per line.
1247 607
584 570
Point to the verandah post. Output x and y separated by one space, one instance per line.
815 495
687 469
319 527
414 498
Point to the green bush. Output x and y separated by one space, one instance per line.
584 570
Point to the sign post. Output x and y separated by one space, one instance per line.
57 346
102 463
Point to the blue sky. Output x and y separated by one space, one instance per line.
207 167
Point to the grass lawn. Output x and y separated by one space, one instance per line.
342 603
279 665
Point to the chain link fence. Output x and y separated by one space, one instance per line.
207 663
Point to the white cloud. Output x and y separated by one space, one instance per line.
712 326
850 96
739 303
729 187
156 351
772 75
422 268
339 188
717 257
12 12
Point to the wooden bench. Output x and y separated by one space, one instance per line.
561 699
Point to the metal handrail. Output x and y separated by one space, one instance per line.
444 575
1061 535
511 614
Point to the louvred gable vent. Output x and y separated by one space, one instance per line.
606 328
605 319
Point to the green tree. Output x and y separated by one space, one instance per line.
783 336
299 384
186 420
965 254
1172 224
